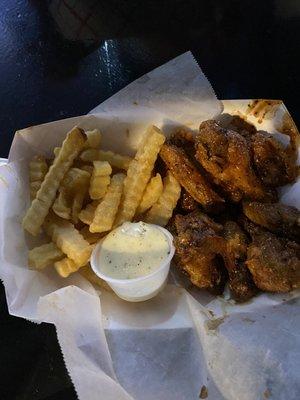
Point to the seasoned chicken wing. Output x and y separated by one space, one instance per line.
274 164
225 155
241 282
273 262
275 217
237 124
190 178
199 246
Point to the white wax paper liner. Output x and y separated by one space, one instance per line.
154 346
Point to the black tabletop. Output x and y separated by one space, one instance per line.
60 58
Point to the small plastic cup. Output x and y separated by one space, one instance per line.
144 287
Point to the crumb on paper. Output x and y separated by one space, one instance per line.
203 392
211 313
213 324
135 103
263 109
267 394
246 319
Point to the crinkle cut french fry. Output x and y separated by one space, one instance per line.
107 209
68 239
44 255
37 170
77 203
93 139
87 214
74 179
162 210
79 191
72 193
66 266
34 188
40 206
115 160
151 195
139 173
61 205
100 179
89 155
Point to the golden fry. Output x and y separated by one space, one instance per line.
74 179
152 193
78 200
37 170
68 239
89 155
40 206
66 266
107 209
139 173
162 211
42 256
93 139
100 179
61 205
87 214
115 160
34 188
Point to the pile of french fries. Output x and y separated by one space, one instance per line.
86 192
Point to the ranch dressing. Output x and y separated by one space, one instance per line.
133 250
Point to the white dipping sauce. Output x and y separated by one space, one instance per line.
133 250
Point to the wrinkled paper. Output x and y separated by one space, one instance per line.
171 346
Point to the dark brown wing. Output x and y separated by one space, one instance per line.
190 178
241 282
199 247
273 262
225 155
275 217
273 162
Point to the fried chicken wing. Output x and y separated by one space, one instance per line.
276 217
225 155
190 178
199 246
273 262
241 282
274 164
237 124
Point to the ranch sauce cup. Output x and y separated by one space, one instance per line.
134 259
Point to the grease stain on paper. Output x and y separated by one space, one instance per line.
263 109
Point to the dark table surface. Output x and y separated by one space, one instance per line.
61 58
